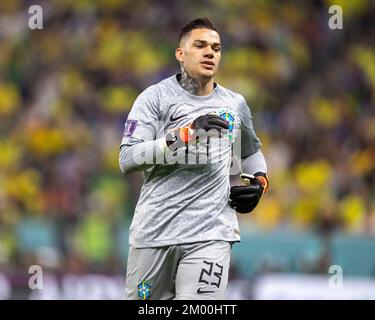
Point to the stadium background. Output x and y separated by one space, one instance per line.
65 92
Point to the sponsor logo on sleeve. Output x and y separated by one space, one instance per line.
129 129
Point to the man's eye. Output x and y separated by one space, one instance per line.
217 49
199 45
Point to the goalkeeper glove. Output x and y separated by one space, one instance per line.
245 198
210 125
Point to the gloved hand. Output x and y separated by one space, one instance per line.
245 198
210 124
207 125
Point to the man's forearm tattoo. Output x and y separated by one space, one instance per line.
188 82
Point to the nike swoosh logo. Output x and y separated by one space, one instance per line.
172 119
204 291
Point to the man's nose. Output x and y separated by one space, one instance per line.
209 54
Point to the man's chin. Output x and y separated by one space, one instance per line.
207 74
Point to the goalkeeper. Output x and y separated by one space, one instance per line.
185 220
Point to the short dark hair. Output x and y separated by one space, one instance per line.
200 23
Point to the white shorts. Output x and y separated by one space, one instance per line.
194 271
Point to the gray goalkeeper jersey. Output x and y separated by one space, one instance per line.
184 201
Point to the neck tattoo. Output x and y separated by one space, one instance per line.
188 82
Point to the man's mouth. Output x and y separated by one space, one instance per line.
208 64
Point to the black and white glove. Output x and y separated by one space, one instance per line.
245 198
210 125
203 126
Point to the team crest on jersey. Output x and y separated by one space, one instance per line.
144 289
229 116
129 129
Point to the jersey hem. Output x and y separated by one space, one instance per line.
155 244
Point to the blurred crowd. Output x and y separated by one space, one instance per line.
66 90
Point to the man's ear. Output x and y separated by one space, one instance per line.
179 55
